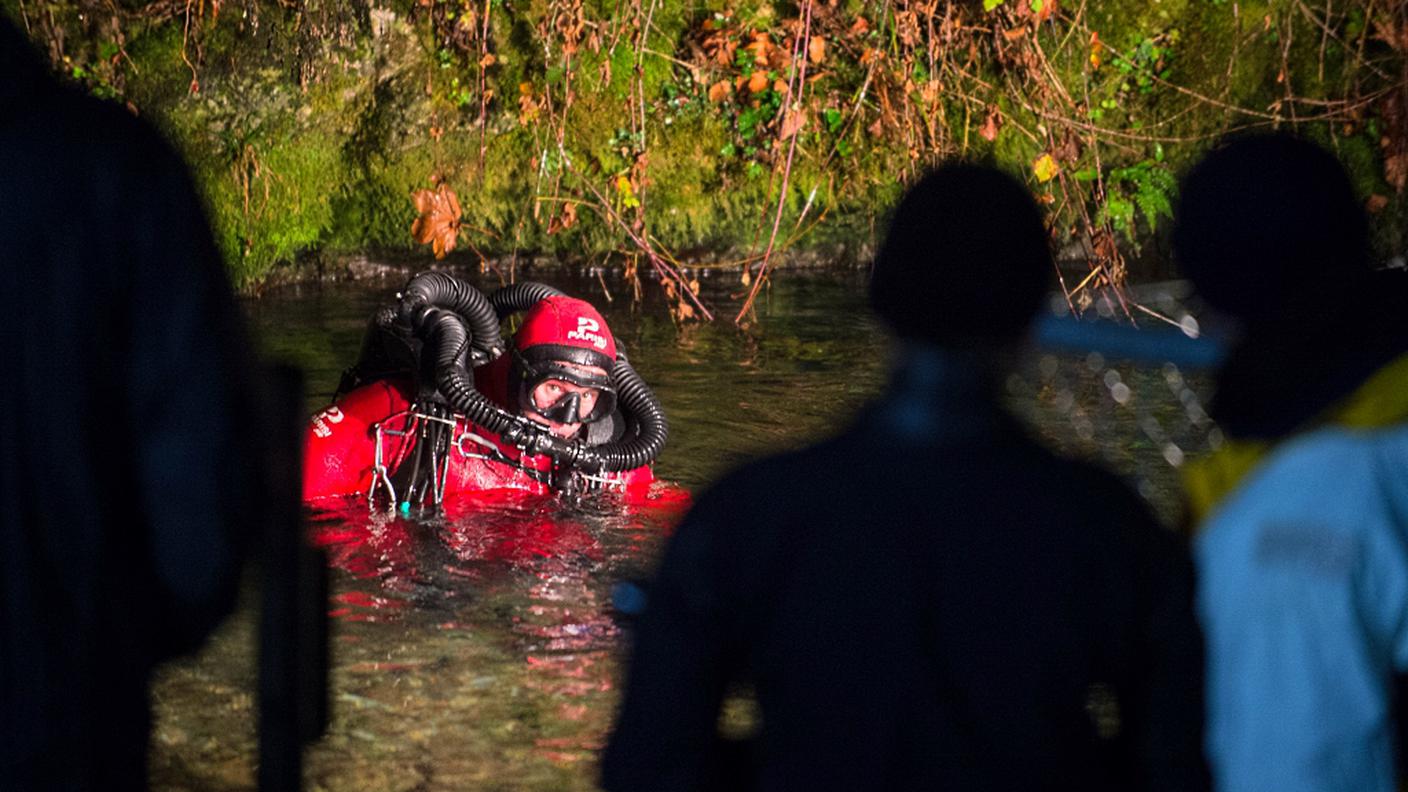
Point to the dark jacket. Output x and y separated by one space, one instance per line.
929 601
127 466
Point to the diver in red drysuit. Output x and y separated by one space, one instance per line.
558 408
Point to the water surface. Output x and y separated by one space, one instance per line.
478 648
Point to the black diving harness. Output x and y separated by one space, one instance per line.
445 326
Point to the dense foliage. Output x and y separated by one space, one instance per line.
726 130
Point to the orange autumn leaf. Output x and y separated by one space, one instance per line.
992 124
758 82
563 220
1096 46
792 123
1396 171
439 220
760 46
720 91
860 27
1015 34
816 50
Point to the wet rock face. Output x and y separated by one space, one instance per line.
565 133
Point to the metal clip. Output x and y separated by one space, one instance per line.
380 476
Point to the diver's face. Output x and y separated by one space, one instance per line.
551 392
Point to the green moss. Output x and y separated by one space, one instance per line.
315 121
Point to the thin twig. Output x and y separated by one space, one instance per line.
799 77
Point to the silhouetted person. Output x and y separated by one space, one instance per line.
1303 549
930 600
126 467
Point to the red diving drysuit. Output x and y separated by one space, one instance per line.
366 442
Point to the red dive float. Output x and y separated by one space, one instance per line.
438 405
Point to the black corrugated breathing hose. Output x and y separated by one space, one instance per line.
439 290
521 296
639 404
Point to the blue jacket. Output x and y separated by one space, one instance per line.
1303 595
1303 554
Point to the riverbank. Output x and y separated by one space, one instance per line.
608 132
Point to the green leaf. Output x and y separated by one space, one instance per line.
1037 5
989 5
1086 175
833 119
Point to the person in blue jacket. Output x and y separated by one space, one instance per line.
1302 550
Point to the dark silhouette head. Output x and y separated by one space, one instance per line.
966 259
1267 222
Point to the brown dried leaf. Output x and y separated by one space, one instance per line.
423 200
1069 150
452 202
859 27
992 124
564 219
1396 36
724 56
758 82
488 60
907 25
720 91
761 46
1376 203
816 50
792 123
1015 34
1396 170
439 220
930 91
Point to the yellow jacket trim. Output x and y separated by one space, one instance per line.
1382 400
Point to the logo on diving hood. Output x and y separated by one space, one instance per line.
588 330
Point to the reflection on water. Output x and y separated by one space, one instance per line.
478 648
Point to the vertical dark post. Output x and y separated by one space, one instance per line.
293 653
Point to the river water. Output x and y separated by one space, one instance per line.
478 648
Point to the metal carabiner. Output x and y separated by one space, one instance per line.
380 476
